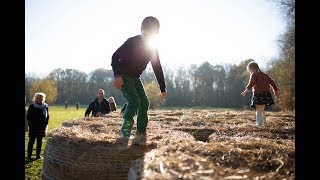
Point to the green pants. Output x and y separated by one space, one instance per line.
138 102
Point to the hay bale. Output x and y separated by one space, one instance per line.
92 149
173 162
232 148
88 150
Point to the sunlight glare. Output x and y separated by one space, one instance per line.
153 42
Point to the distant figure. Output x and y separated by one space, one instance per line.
77 105
66 104
38 117
260 83
112 104
99 106
128 63
26 124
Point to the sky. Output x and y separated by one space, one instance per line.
83 34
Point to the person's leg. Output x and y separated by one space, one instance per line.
264 121
142 116
30 145
39 145
259 118
130 93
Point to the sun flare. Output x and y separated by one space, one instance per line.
153 42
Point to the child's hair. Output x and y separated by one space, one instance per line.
39 94
150 23
253 65
112 104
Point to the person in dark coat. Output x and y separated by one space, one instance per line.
26 124
99 106
38 118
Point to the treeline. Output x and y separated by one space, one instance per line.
205 85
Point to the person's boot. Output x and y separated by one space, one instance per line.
264 121
29 158
140 138
259 119
39 157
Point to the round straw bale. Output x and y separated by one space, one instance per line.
88 150
93 149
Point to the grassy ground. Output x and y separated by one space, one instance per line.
57 115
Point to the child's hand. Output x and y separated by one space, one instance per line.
163 95
245 92
118 82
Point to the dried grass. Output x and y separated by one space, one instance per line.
193 144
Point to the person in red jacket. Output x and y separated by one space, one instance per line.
260 83
38 118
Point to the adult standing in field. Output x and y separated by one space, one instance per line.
128 63
66 104
26 124
99 106
261 84
38 118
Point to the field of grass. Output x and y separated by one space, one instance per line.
227 141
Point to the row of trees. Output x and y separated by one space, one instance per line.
283 68
203 85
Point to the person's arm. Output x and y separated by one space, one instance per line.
157 69
89 109
47 119
252 82
274 86
118 56
29 114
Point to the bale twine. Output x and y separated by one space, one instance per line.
92 149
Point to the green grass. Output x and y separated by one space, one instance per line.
33 170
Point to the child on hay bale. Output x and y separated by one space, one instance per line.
260 83
128 63
38 118
99 106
